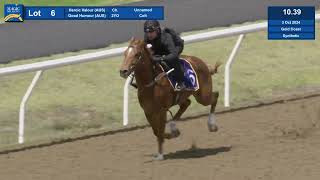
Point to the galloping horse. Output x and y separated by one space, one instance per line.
157 98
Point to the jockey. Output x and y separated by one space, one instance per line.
165 49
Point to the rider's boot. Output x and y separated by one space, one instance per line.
180 86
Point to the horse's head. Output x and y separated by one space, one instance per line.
132 56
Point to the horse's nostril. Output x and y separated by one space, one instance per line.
123 73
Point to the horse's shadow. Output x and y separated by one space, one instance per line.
196 152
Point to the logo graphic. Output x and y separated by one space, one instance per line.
13 13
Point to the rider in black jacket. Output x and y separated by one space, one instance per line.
165 49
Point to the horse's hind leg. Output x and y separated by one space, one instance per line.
206 99
212 125
174 131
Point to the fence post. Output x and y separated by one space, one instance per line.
126 100
227 71
23 106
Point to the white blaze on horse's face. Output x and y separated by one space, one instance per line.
129 55
128 60
130 50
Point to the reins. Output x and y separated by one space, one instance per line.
155 80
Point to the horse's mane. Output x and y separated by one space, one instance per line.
146 51
142 45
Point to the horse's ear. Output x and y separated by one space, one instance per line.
132 39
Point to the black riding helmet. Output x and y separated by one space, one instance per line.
152 25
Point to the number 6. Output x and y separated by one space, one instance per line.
53 12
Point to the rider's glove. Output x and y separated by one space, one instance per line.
157 58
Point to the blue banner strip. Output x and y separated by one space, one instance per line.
94 13
292 36
291 29
291 22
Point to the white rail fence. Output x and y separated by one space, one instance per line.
94 56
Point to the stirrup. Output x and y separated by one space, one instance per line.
182 87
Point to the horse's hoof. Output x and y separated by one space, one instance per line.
158 157
176 133
213 128
173 134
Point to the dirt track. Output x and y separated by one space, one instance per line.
281 141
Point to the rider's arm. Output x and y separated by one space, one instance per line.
180 48
173 53
180 45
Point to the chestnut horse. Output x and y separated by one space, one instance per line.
157 98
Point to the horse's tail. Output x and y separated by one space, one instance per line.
214 69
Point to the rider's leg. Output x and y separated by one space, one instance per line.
178 73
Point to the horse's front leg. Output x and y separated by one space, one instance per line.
174 131
158 122
161 119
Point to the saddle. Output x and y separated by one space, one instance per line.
190 76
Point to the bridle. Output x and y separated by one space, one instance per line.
156 77
133 65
